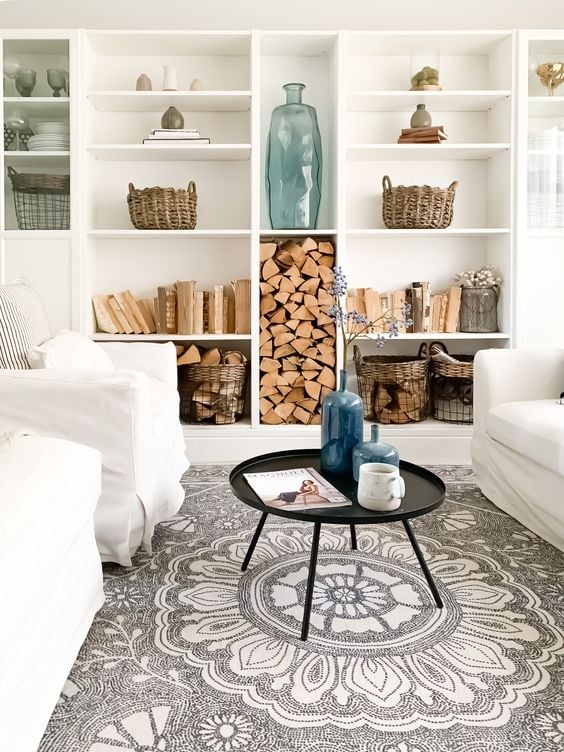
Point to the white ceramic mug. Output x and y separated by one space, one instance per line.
380 487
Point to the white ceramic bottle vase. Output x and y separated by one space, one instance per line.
170 81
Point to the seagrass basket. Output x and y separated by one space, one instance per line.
393 388
417 207
212 394
163 208
41 200
452 387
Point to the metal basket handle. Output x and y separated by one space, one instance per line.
11 171
386 183
438 344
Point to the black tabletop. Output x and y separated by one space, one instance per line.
424 491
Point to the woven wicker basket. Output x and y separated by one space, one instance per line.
41 200
163 208
452 387
394 388
417 207
212 394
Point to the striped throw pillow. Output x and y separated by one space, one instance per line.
23 323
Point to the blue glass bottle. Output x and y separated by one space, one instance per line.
294 163
374 451
342 422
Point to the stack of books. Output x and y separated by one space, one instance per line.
432 134
429 312
175 137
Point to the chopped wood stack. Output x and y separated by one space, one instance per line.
211 384
297 337
177 309
425 135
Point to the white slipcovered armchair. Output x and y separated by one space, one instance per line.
518 438
131 416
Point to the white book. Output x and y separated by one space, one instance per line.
300 489
174 136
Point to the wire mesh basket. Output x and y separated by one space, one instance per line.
478 309
212 394
42 201
452 387
393 388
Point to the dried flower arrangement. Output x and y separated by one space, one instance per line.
485 276
342 318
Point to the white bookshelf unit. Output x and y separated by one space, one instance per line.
358 82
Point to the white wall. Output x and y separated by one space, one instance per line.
289 14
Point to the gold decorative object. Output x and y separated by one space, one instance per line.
551 75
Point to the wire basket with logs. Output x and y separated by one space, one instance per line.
452 385
212 385
393 388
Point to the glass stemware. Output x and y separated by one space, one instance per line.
12 67
19 123
25 81
57 80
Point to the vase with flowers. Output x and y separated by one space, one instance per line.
342 418
479 297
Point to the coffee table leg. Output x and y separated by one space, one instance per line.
422 563
254 541
311 579
353 538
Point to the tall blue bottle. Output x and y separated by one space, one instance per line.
294 163
342 422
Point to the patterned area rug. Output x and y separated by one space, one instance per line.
189 654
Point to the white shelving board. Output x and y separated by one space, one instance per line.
166 153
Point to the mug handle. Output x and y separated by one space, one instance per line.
401 486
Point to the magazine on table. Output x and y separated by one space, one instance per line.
300 489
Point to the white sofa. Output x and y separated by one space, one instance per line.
131 416
50 576
518 439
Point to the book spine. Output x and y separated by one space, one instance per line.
426 317
417 306
453 309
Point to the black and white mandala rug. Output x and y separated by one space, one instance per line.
189 654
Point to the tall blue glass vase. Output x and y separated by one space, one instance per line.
341 428
294 164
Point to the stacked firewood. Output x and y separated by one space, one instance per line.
297 337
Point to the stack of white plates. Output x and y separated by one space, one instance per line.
56 127
48 142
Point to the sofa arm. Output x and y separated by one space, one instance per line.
101 409
154 359
514 376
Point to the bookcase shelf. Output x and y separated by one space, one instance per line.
357 81
158 101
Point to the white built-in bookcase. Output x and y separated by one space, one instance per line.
359 82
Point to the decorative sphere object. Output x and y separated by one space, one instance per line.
172 118
143 83
196 85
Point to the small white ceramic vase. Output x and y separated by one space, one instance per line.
196 85
380 487
170 81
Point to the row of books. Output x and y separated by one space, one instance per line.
438 312
175 136
424 135
177 309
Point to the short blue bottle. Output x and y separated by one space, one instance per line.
374 451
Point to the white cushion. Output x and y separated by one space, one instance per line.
70 351
534 429
23 323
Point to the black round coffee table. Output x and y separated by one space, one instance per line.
424 491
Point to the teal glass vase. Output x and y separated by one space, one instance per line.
342 422
374 451
294 164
